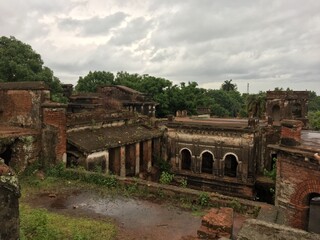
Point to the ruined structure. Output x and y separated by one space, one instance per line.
9 204
32 127
130 99
110 140
298 175
287 105
215 154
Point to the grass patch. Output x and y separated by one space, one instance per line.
39 224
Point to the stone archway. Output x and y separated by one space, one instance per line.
207 160
186 159
231 163
301 202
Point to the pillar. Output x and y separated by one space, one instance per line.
122 161
137 148
106 156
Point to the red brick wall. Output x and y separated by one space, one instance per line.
296 180
21 108
56 117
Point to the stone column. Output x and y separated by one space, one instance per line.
149 154
137 147
106 156
122 161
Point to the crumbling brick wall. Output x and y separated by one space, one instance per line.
298 176
54 119
21 103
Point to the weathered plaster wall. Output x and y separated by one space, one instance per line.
22 107
24 149
9 204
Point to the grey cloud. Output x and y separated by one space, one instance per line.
93 26
135 30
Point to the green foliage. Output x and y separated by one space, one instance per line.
314 120
19 62
228 86
273 173
93 80
38 224
184 182
163 165
314 102
204 199
166 178
256 104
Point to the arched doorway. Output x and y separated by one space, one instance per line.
207 162
230 165
296 110
276 113
185 159
314 213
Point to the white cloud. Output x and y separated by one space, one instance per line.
263 43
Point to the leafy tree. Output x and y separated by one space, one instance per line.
314 102
314 120
228 86
256 104
19 62
92 80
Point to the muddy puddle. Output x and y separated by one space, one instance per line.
136 219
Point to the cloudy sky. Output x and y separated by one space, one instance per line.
263 43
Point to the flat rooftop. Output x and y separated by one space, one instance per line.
94 140
214 122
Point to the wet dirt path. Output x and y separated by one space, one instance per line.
135 218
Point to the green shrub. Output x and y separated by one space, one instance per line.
204 199
166 178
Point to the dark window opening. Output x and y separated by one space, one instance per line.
230 166
296 110
185 160
207 163
314 213
276 113
6 155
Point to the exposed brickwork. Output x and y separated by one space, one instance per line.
216 224
55 116
298 176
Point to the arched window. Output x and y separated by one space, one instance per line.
296 110
207 163
276 113
230 165
185 159
314 213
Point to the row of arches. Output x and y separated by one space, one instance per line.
207 162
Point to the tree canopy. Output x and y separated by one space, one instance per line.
19 62
92 80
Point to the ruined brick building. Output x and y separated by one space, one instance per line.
32 127
112 132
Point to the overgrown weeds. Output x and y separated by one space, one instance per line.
39 224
